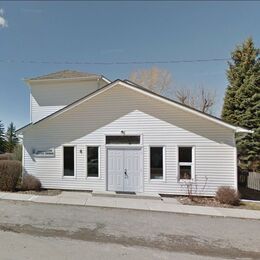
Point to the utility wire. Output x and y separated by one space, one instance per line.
111 63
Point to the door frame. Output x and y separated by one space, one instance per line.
127 147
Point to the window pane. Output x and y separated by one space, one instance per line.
92 161
185 154
68 161
185 172
122 139
156 162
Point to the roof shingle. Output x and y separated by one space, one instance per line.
65 74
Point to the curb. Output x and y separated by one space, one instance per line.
180 209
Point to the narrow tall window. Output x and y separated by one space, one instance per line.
156 162
68 161
92 162
185 163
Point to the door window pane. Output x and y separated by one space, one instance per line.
156 162
68 161
92 161
123 139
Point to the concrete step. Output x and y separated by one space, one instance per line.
149 196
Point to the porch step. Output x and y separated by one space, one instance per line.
113 194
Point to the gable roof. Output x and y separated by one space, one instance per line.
136 87
67 74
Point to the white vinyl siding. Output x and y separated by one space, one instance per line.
47 98
121 109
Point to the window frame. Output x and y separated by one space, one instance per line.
163 161
75 162
99 163
192 163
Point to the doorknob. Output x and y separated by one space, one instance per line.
126 173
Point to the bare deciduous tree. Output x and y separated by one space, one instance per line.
160 80
155 79
201 98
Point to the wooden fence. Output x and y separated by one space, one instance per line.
253 181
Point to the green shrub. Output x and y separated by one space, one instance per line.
30 182
10 172
228 195
6 156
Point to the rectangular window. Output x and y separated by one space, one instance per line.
92 162
156 162
123 139
185 163
68 161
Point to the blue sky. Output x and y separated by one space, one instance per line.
119 31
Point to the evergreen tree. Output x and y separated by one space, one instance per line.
2 137
11 138
242 101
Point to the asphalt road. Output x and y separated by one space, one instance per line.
40 231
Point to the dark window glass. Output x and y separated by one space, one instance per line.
92 161
156 162
68 161
185 154
123 139
185 172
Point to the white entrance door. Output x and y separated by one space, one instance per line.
124 169
115 165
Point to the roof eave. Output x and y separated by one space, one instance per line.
243 130
64 79
195 111
22 129
108 81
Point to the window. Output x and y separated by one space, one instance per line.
123 139
156 162
92 162
68 160
185 163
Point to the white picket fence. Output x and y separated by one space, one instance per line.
253 180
